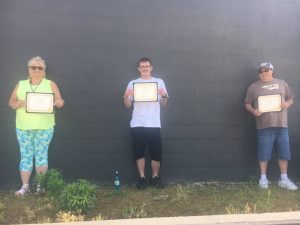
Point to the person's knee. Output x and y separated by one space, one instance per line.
41 162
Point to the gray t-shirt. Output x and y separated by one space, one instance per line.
275 86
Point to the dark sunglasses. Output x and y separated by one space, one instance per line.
263 70
36 67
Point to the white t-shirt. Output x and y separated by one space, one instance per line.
146 114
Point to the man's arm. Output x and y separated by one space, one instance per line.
252 110
127 102
163 96
128 98
287 103
164 99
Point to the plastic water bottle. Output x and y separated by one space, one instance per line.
117 181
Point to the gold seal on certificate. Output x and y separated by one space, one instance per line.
145 92
269 103
39 102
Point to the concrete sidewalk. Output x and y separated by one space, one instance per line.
286 218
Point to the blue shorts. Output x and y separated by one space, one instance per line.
274 137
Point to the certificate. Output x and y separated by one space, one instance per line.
145 92
37 102
269 103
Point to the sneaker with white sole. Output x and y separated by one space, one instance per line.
40 189
264 183
287 184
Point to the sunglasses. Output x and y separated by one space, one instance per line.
263 70
36 68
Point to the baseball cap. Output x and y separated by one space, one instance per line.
267 65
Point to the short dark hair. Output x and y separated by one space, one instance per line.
144 59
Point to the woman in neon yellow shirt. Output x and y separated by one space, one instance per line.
34 130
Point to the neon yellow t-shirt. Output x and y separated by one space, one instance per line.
31 121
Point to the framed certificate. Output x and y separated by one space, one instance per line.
145 92
37 102
269 103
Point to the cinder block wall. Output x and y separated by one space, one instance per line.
206 52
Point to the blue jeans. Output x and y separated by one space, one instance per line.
273 137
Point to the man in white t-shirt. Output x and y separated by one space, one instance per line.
145 124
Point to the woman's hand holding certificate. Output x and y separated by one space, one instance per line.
39 102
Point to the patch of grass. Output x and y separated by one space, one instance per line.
248 209
181 192
66 217
174 200
130 212
1 211
253 181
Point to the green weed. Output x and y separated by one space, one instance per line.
52 182
253 181
55 183
1 211
181 192
78 197
130 212
248 208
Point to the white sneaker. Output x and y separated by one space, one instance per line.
264 183
287 184
39 189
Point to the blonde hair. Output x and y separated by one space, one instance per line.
38 59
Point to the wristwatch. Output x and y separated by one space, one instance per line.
164 96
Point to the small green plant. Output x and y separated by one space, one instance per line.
253 181
54 183
269 196
97 218
250 208
78 197
230 209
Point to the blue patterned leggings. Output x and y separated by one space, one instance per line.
34 144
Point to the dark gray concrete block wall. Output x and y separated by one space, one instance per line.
206 51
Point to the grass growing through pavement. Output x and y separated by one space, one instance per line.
174 200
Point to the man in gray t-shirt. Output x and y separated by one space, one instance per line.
272 125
